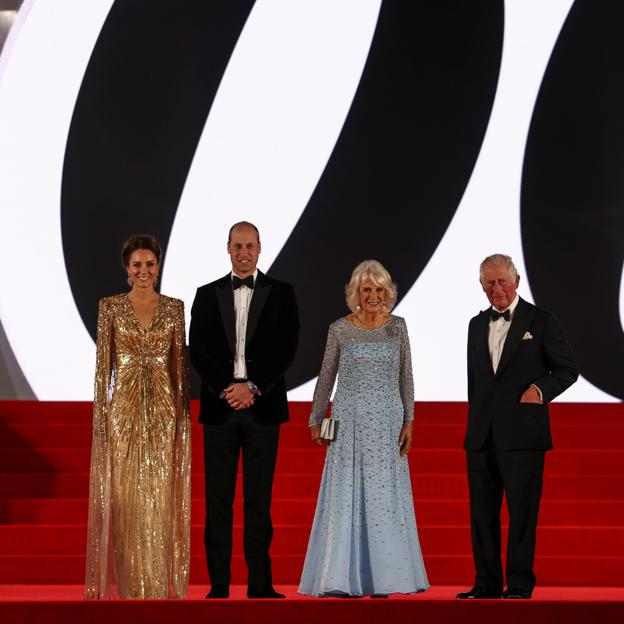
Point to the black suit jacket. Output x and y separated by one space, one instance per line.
271 343
543 358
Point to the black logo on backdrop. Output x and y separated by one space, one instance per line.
573 190
398 170
139 115
389 191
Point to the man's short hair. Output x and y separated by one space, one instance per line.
500 259
243 224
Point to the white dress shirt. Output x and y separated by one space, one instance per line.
497 336
498 333
242 301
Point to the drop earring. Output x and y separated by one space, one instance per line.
129 280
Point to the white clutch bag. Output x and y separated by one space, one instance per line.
328 429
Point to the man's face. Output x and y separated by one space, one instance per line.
499 286
244 249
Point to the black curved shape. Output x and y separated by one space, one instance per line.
402 161
142 106
573 189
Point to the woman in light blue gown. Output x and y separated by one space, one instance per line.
364 539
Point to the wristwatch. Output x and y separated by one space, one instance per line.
252 387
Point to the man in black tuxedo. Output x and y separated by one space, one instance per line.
518 361
243 336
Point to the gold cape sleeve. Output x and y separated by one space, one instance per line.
98 532
179 371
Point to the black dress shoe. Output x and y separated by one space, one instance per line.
219 591
479 593
518 594
267 592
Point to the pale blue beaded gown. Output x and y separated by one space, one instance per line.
364 538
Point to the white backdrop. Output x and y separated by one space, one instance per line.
270 132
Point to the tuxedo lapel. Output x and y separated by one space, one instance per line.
225 299
520 323
483 329
262 287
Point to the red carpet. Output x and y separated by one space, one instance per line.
59 604
43 487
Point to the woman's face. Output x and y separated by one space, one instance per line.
372 296
143 268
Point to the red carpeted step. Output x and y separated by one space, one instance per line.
46 485
442 570
442 540
585 436
451 436
430 413
292 435
438 605
36 435
42 510
422 461
301 510
45 449
73 510
66 412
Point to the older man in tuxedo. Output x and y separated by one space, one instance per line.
243 336
518 361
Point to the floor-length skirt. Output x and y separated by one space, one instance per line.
364 538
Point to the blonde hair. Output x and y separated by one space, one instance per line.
375 271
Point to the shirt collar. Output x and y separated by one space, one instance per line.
511 308
254 275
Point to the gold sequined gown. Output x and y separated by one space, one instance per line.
139 492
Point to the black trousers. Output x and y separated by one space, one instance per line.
223 444
519 474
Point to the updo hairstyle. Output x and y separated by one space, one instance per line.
139 241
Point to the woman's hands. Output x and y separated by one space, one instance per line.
315 434
405 439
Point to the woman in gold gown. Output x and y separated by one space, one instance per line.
139 496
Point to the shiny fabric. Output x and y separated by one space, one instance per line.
139 495
364 539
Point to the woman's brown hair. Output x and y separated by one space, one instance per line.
140 241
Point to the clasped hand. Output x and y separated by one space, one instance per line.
238 396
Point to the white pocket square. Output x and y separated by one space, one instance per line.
527 336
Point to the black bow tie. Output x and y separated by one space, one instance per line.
237 282
496 315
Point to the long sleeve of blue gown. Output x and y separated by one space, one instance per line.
326 378
407 378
